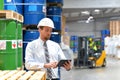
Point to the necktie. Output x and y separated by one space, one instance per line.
49 73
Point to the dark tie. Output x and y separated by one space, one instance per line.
49 73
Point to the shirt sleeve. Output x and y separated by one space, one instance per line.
30 62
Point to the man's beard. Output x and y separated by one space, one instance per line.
47 38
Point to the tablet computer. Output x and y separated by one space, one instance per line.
61 62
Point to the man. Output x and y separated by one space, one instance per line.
44 54
92 44
92 47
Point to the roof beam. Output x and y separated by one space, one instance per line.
91 4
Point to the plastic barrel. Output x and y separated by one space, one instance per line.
107 32
8 44
19 44
55 1
56 38
34 11
2 5
54 10
75 43
102 45
57 21
103 32
71 44
28 35
72 38
14 5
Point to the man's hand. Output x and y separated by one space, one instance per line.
51 65
67 65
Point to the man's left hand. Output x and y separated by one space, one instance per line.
67 65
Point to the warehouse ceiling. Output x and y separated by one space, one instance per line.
80 10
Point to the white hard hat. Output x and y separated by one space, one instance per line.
46 22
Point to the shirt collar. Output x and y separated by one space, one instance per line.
41 41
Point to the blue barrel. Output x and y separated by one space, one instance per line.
34 11
57 21
56 37
32 18
55 1
15 5
102 45
75 43
75 38
103 32
107 32
72 37
75 50
103 37
54 10
28 35
35 1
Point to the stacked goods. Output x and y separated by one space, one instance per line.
74 43
10 56
114 27
54 11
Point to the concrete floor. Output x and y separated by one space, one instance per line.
110 72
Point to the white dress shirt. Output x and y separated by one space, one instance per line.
35 56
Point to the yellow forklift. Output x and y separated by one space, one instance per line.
87 57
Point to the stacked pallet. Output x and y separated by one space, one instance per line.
22 75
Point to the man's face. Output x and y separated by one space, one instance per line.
45 33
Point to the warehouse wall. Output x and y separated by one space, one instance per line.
87 29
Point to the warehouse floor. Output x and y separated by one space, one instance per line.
110 72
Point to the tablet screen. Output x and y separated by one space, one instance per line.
61 62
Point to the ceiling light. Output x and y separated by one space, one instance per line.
97 10
85 12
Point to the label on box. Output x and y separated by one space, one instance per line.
2 45
19 43
14 44
44 9
32 8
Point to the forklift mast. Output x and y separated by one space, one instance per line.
82 58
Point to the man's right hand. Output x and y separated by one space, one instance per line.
51 65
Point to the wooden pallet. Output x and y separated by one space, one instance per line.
55 4
22 75
9 14
30 27
20 18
